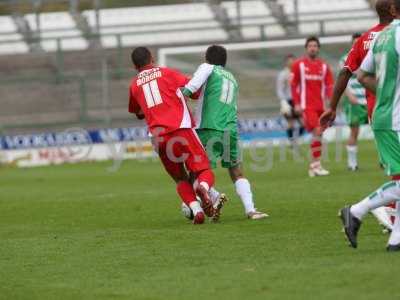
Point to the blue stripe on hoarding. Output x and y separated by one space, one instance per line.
250 129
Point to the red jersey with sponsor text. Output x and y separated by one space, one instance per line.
312 83
155 91
357 55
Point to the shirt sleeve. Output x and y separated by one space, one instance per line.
199 79
134 107
368 64
280 86
355 57
295 83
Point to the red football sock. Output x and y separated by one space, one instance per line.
316 149
206 176
186 192
396 177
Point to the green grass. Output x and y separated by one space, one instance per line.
83 232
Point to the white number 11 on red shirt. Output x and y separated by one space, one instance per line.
152 94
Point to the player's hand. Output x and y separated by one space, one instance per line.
327 118
298 110
140 115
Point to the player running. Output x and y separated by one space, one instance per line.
217 122
354 59
311 85
155 96
284 93
355 107
380 74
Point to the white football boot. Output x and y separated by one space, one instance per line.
257 215
218 205
317 170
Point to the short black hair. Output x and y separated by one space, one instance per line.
397 5
216 55
312 39
141 56
356 35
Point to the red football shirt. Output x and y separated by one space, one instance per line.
312 83
155 91
358 53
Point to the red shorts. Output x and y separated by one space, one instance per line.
179 149
311 119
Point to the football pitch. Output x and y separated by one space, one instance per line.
84 232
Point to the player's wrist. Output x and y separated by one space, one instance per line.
186 92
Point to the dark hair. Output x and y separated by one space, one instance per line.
313 39
397 5
141 56
356 35
216 55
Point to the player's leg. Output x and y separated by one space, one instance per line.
311 119
394 241
388 143
231 160
352 148
212 150
170 157
198 163
290 128
212 141
244 191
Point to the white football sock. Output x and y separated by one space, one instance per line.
243 189
385 195
214 195
352 156
195 207
395 236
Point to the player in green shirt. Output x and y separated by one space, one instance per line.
380 73
216 122
355 108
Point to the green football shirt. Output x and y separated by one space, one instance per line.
217 106
383 60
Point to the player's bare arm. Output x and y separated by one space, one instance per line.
342 80
368 80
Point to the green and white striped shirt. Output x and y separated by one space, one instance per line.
354 86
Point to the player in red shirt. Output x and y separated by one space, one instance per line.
311 85
353 63
155 96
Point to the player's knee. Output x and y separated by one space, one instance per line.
236 173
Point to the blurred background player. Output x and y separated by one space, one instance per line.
355 107
284 93
354 59
380 73
155 96
311 86
217 122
